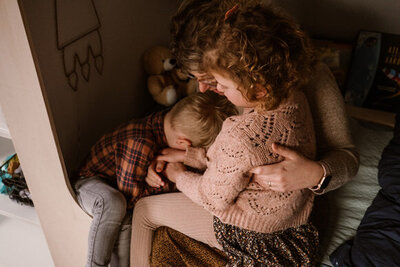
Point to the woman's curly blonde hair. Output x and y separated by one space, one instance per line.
260 45
194 27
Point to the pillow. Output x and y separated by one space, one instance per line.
337 214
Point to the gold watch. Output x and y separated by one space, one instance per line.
323 183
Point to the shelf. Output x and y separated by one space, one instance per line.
8 207
372 115
6 148
4 132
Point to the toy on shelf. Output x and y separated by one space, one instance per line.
12 181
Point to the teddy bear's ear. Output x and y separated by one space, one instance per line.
154 59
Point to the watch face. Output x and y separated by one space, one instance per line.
325 182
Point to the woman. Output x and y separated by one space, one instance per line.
194 26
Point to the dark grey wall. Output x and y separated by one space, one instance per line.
342 19
118 32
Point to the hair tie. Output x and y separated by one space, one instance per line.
231 11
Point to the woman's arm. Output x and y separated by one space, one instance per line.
336 151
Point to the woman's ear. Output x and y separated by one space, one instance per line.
261 91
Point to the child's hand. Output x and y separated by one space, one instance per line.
172 170
153 178
172 155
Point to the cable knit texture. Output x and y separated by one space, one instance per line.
196 157
334 141
243 143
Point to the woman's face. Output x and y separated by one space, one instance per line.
229 88
206 82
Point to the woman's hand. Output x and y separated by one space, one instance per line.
153 177
295 172
172 170
171 155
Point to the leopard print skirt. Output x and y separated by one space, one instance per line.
296 246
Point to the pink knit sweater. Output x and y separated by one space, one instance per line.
244 142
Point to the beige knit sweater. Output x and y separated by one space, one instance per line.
336 150
243 143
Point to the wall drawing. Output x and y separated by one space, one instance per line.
79 39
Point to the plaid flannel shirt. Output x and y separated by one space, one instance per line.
125 155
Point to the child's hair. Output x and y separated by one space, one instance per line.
260 45
200 117
194 27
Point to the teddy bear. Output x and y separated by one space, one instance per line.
166 82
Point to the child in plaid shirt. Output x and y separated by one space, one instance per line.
113 177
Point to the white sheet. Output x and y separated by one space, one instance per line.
339 213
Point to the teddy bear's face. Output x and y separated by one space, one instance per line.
166 82
157 60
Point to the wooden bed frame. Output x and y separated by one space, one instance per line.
371 115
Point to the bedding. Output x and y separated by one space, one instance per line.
377 241
337 214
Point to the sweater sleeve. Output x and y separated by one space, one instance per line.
195 157
225 177
334 141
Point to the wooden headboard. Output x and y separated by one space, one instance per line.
371 115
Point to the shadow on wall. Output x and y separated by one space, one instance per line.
341 20
88 55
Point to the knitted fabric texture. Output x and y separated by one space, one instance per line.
245 142
195 157
334 141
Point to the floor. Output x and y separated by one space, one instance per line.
22 242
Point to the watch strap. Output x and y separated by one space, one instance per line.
323 183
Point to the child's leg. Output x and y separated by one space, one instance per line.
174 210
107 205
121 253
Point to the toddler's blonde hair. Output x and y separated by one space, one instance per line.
200 117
